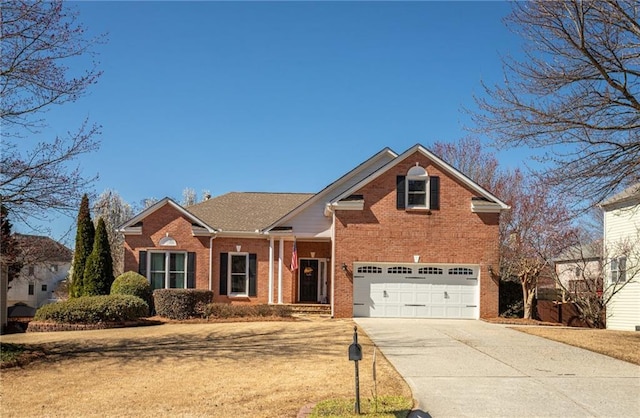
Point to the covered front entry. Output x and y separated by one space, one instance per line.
312 280
415 290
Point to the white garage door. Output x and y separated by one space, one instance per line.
415 290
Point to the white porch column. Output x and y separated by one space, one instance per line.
270 270
280 267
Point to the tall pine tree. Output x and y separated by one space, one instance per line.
84 245
98 270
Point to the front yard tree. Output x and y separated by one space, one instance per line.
575 95
98 271
39 40
9 247
84 245
114 211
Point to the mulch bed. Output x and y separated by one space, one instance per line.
521 321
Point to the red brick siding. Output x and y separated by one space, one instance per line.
154 227
382 233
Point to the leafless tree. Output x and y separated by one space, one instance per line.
38 40
586 284
575 95
535 231
189 197
115 211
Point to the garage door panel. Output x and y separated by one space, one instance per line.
429 296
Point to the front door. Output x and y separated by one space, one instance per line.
309 273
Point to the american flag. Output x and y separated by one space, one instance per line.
294 257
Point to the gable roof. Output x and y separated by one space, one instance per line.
436 160
250 211
38 248
629 194
151 209
580 252
370 164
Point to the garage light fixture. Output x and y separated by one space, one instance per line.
344 267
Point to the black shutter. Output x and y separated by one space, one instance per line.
400 190
434 192
191 270
253 285
224 260
142 263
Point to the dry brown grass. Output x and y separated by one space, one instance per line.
623 345
258 369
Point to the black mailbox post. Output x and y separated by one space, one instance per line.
355 355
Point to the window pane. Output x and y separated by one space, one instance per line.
417 186
238 264
176 262
157 261
176 280
238 284
417 199
157 280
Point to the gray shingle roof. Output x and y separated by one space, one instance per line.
630 193
247 212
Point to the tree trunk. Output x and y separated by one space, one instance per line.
527 300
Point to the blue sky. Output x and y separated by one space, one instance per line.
286 96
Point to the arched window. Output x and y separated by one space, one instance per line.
417 188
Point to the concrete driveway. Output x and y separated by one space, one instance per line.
464 368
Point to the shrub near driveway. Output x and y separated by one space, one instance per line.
258 369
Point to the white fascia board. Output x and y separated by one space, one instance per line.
443 165
327 190
481 206
131 230
239 234
166 201
348 205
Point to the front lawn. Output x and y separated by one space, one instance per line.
261 369
623 345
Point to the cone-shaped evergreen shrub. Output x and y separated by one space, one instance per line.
84 245
98 271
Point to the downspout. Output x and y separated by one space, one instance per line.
280 251
333 262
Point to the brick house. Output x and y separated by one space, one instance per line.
398 236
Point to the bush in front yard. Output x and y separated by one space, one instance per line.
94 309
132 283
225 310
181 303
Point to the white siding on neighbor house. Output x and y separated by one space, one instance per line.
42 275
623 224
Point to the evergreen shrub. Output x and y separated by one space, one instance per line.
132 283
94 309
181 303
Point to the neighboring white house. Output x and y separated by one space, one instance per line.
622 249
46 264
579 269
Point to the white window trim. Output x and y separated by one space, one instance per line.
166 267
616 272
412 176
232 294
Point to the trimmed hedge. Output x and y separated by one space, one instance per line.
225 310
94 309
132 283
181 303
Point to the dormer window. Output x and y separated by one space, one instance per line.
416 190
